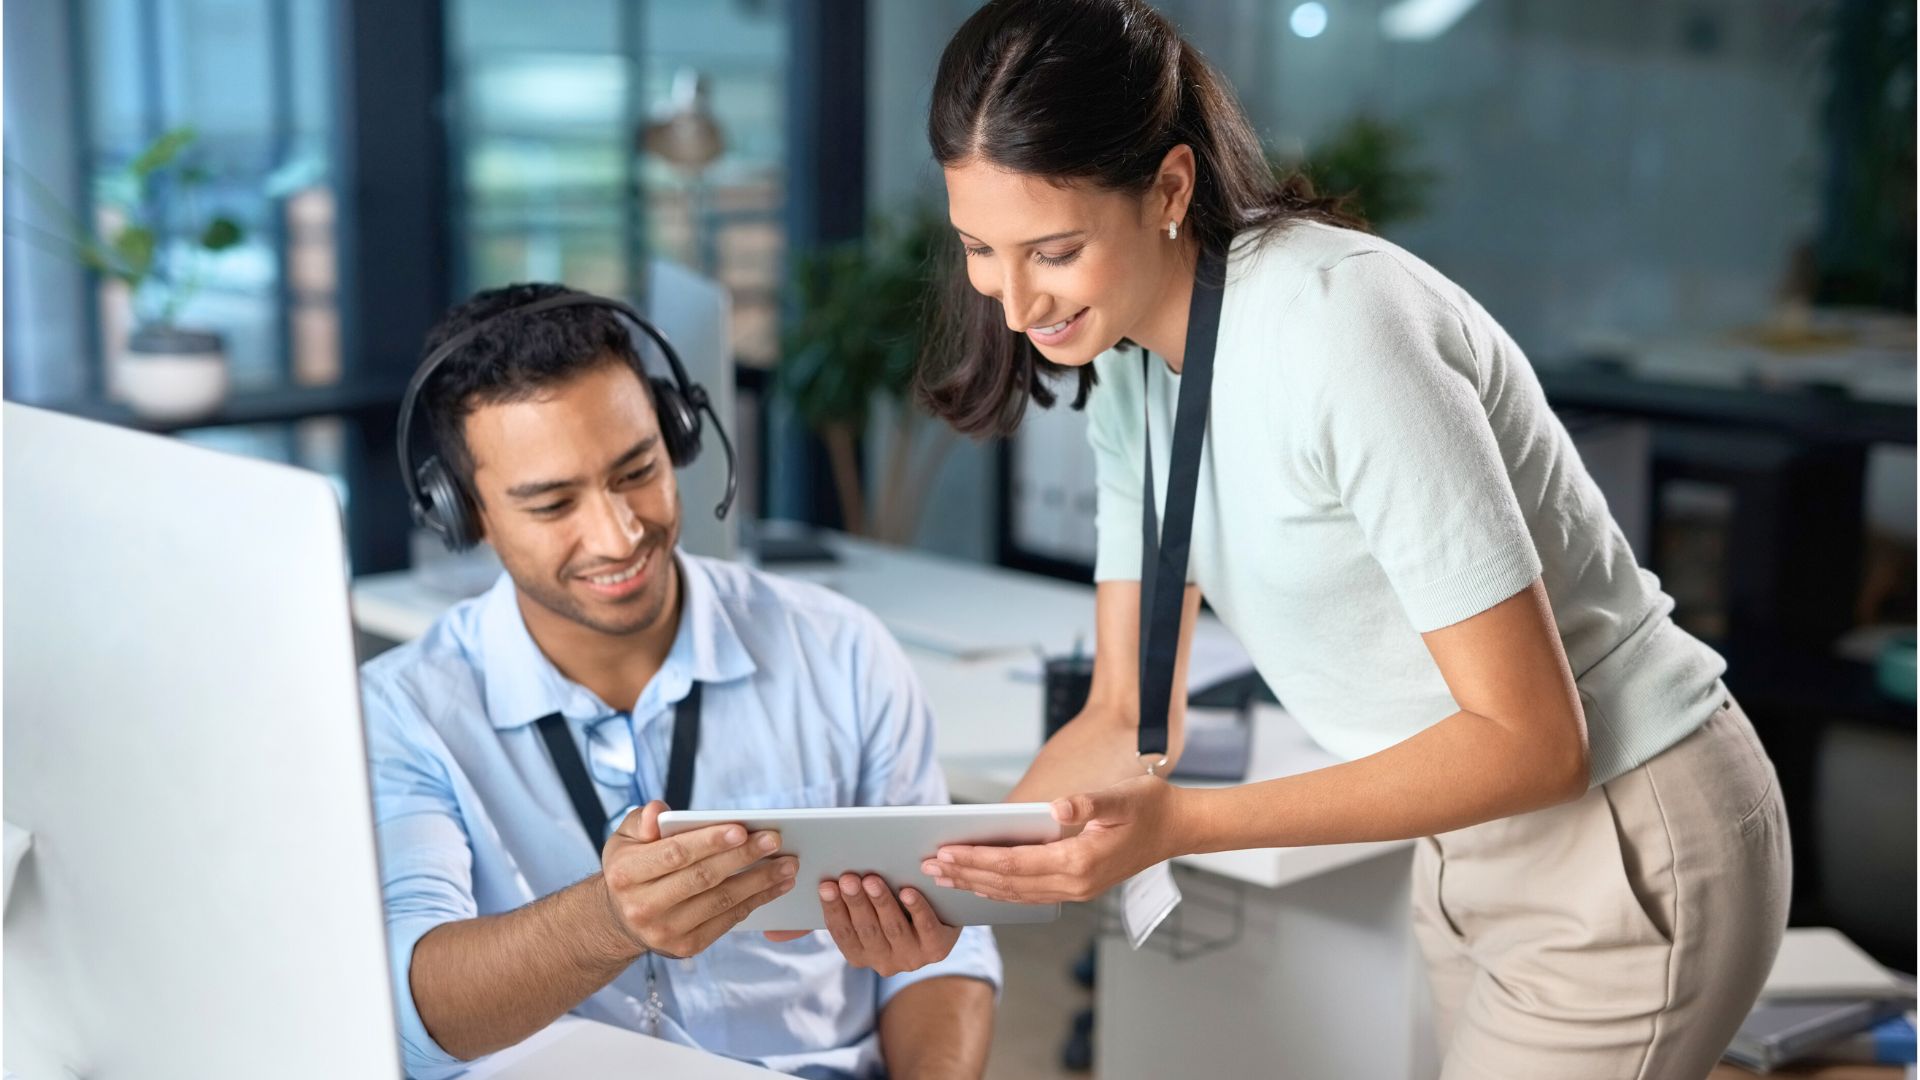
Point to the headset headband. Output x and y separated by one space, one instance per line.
694 394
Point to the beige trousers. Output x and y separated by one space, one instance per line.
1624 934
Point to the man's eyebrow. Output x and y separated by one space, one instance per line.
635 451
535 488
1026 243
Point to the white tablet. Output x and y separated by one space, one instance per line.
891 841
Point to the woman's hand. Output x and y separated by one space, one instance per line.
1122 830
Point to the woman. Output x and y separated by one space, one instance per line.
1389 517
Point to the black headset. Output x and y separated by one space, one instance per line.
438 499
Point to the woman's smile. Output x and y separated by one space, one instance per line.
1058 333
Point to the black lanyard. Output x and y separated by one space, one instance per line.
580 789
1164 546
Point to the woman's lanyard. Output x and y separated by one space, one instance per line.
1164 546
573 771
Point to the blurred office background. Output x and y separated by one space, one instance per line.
1697 216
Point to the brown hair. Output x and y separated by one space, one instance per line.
1081 91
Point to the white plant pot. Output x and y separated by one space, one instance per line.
171 374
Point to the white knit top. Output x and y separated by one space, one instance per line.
1380 461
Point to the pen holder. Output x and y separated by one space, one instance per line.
1068 680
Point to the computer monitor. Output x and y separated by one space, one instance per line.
183 739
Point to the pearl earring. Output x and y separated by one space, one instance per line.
1173 230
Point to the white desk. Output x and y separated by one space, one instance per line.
570 1047
584 1050
932 604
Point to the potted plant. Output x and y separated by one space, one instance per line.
151 236
861 307
1368 161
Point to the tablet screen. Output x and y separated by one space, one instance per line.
891 841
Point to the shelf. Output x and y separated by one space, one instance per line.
253 407
1822 415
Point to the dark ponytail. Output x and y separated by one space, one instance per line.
1092 91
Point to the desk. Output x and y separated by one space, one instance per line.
584 1050
1324 977
570 1047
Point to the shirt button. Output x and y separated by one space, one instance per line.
687 964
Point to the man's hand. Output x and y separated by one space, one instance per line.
674 897
876 931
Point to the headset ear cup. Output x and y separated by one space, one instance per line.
679 423
446 510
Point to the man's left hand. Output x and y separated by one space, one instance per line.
875 930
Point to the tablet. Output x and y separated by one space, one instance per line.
890 841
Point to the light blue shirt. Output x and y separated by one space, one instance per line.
806 701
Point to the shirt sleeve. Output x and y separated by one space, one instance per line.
1398 429
426 865
1116 418
898 767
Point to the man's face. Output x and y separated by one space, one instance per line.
578 498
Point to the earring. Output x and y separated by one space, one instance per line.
1173 230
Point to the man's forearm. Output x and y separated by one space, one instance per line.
484 984
938 1029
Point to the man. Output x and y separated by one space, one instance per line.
501 914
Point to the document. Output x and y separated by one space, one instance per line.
1146 899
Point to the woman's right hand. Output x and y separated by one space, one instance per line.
1118 831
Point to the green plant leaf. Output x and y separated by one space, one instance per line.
220 234
161 151
135 245
92 258
860 320
1369 161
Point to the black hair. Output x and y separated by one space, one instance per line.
1082 91
516 358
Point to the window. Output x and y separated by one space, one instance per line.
554 101
253 80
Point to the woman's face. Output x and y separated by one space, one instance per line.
1075 267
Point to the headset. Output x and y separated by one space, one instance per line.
438 500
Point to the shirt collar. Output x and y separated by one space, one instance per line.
522 685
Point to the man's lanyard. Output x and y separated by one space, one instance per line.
1164 546
579 785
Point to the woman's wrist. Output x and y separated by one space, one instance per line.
1190 831
1216 819
1092 751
